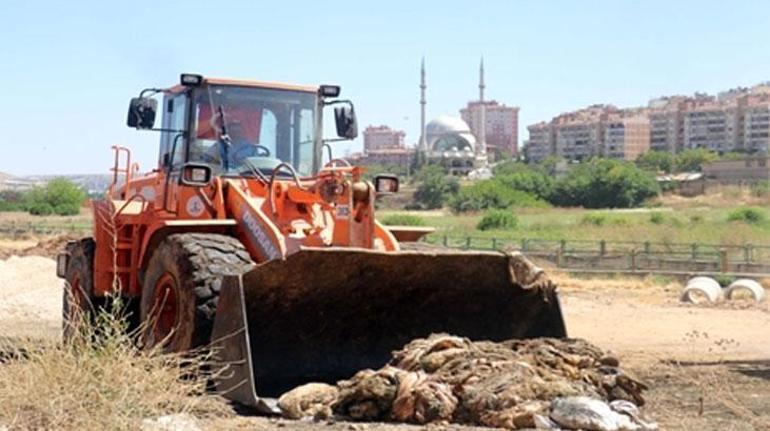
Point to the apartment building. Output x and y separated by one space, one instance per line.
541 143
502 126
383 138
734 120
626 137
756 125
580 135
715 126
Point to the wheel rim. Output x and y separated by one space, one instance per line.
165 307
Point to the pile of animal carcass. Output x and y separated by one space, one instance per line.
538 383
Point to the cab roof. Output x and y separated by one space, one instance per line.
252 83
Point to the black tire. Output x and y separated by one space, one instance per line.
78 303
188 268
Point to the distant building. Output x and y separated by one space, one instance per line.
383 138
734 120
746 171
383 146
756 123
502 126
684 184
451 144
626 137
581 134
714 126
541 143
667 120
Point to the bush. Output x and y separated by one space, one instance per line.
724 280
594 219
760 189
11 201
492 194
434 187
605 183
747 215
696 218
59 196
40 209
498 219
599 219
656 218
403 220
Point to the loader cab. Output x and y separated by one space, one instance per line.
239 127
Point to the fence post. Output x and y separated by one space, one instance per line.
602 247
633 260
559 257
446 241
694 248
748 253
467 242
723 263
494 243
524 244
647 247
563 246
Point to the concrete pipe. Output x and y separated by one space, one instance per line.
700 290
755 289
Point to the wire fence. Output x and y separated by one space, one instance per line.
20 229
626 255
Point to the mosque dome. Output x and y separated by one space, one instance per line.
447 133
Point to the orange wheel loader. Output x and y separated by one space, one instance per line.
246 239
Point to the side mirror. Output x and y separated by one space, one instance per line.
196 175
345 119
386 184
141 112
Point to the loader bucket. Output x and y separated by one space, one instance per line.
323 314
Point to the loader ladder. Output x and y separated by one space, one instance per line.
117 170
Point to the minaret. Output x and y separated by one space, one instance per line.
423 143
482 144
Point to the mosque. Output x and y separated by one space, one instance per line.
448 140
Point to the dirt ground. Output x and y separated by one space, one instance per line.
708 367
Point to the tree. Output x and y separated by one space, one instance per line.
693 160
657 161
605 183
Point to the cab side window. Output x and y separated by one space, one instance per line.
174 118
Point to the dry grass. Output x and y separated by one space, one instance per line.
100 380
703 396
716 196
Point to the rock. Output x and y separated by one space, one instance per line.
175 422
312 400
596 415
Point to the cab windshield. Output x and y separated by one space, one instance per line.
239 129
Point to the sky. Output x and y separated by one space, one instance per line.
68 69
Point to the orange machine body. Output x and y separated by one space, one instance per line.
332 208
272 217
